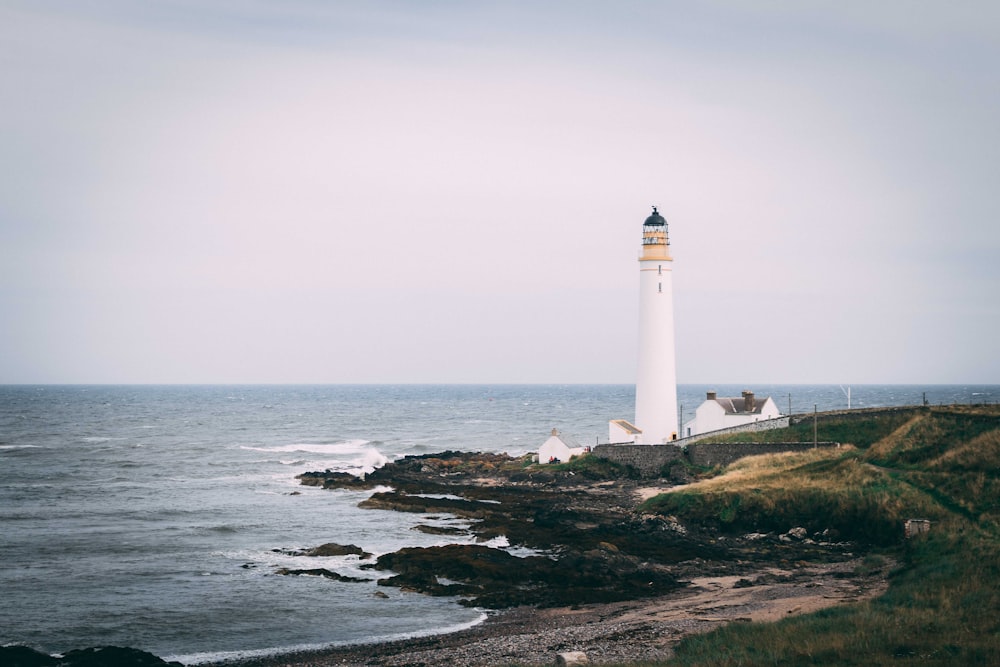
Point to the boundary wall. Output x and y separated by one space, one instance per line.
649 460
856 413
751 427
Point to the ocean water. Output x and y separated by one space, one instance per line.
150 516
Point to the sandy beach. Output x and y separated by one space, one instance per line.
618 632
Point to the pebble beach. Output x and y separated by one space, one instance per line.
613 633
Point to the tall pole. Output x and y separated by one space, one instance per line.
847 392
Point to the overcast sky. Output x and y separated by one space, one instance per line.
447 191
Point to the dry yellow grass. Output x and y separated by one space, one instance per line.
902 438
817 489
980 453
769 471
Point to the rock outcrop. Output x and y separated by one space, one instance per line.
488 577
589 543
98 656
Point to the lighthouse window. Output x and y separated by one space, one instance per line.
659 269
659 287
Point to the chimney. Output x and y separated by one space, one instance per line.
555 432
748 401
710 396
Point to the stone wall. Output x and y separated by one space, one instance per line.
647 459
857 413
752 427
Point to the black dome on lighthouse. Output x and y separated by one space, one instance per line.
655 220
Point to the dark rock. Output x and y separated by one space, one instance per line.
402 502
334 549
328 549
440 530
597 547
100 656
320 572
494 578
335 480
22 656
112 656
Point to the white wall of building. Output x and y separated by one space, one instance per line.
556 448
619 431
711 416
769 410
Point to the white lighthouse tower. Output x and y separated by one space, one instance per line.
656 380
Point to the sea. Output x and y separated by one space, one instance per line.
156 517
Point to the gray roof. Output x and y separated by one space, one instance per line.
568 440
737 405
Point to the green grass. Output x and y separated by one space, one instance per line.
817 489
859 429
593 467
940 610
943 601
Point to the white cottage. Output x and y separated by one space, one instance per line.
716 413
621 431
559 448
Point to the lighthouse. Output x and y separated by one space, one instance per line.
656 379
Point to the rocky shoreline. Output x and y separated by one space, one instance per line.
594 572
611 581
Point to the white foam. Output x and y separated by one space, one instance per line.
370 459
345 447
438 496
498 542
223 656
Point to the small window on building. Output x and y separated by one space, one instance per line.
659 287
659 269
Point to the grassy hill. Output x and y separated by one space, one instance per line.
943 603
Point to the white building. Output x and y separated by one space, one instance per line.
656 377
559 449
621 430
716 413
